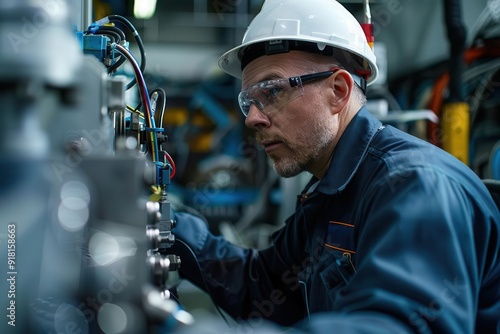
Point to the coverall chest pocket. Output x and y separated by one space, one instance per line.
337 274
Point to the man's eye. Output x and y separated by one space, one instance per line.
272 91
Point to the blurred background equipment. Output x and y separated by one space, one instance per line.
115 111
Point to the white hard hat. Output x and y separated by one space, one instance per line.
321 26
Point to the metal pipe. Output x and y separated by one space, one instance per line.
87 17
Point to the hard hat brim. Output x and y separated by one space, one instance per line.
230 61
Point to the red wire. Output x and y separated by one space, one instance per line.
172 163
436 99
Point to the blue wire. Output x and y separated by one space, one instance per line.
142 83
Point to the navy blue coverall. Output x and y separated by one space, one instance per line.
397 237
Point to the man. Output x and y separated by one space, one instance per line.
391 235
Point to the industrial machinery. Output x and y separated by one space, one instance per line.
86 221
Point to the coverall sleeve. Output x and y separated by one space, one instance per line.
246 283
417 259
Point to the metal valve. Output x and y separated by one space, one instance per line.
175 262
158 238
159 268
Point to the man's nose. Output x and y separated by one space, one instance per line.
256 118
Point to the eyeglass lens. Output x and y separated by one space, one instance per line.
268 95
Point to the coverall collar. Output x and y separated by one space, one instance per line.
350 151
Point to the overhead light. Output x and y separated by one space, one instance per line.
144 9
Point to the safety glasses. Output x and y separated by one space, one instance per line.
272 95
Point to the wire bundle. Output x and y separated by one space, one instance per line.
149 115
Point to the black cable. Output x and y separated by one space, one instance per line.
104 31
108 35
457 37
114 38
116 35
115 30
172 295
117 64
203 279
162 93
138 39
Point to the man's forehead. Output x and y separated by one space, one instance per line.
270 67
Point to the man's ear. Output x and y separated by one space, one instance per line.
342 85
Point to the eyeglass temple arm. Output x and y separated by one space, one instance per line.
295 81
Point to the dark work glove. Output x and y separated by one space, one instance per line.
210 262
190 232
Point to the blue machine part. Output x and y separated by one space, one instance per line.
163 174
79 38
96 45
228 133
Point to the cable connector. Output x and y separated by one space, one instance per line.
93 28
102 21
95 25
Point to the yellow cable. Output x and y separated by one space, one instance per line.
153 155
132 109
